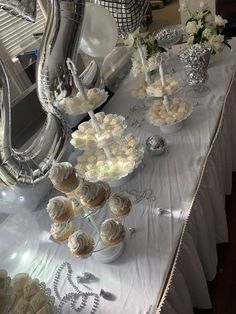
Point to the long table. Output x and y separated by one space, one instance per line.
147 277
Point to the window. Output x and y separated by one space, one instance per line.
17 34
16 37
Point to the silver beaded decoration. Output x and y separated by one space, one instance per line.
47 292
195 60
73 297
143 195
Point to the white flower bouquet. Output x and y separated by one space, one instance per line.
145 52
204 27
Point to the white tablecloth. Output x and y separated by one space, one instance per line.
138 277
196 259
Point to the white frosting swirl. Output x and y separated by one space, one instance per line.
61 228
56 206
60 171
89 191
119 202
79 241
111 230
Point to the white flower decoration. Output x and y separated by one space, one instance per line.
216 43
219 21
190 40
192 27
129 41
207 33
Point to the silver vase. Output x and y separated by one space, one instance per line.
195 59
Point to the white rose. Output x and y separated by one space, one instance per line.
190 40
216 43
192 27
218 38
129 41
219 21
207 33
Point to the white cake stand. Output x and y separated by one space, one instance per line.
107 254
172 128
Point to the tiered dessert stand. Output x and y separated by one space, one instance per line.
109 158
165 110
108 155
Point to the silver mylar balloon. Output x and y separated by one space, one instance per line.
60 41
25 9
127 13
33 164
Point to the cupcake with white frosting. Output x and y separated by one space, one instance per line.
63 177
62 231
119 204
92 195
60 209
81 244
112 232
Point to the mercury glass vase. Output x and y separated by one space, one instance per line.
195 59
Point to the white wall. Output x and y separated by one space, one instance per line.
194 5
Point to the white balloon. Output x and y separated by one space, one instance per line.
19 234
116 65
99 34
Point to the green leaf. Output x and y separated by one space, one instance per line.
190 20
227 44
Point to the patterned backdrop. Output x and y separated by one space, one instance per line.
127 13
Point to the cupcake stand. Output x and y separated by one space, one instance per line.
109 158
108 155
92 218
